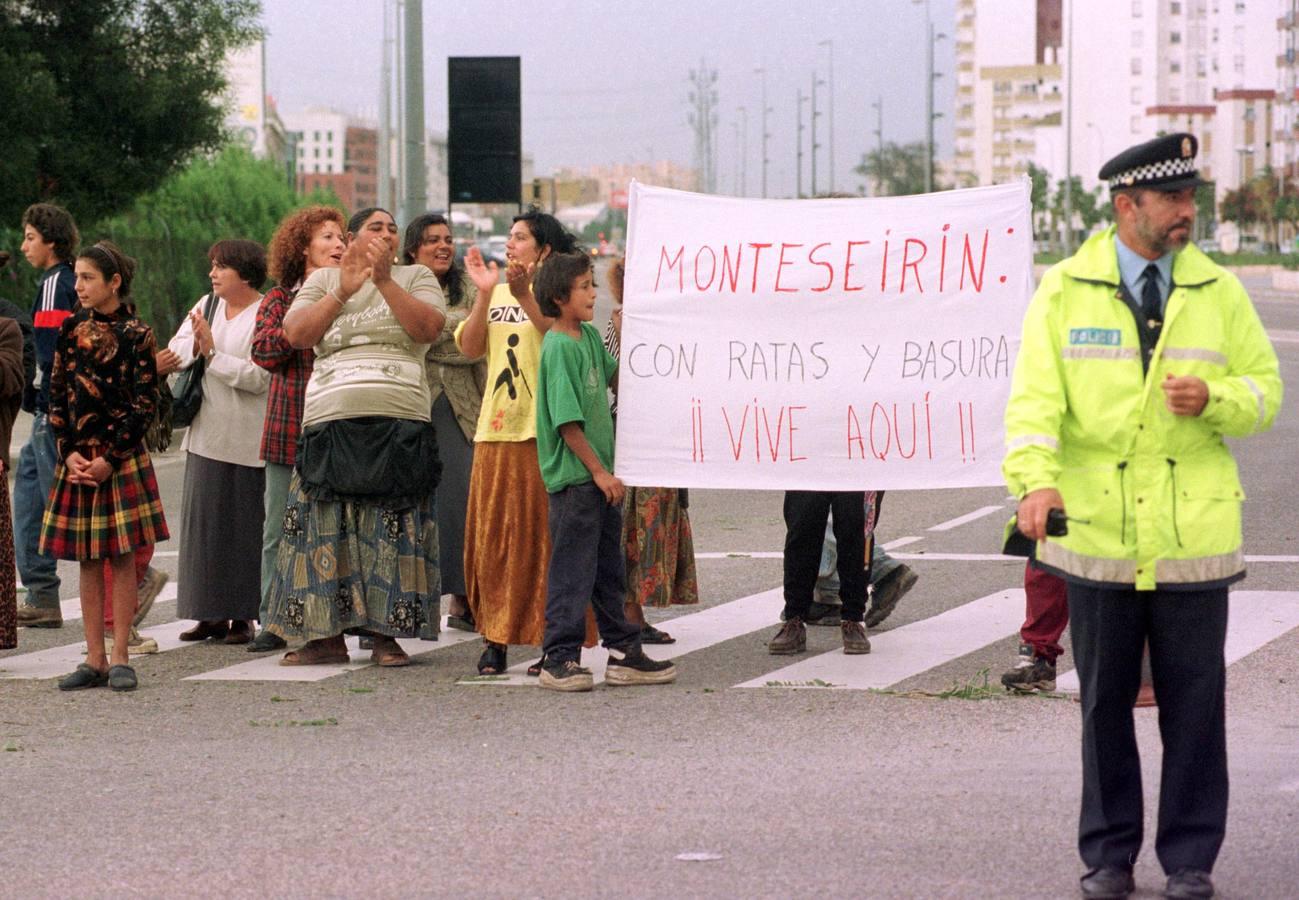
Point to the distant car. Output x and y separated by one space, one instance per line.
1208 245
493 249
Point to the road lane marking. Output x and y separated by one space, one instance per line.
695 631
968 517
945 557
741 554
59 661
900 653
1256 618
266 667
900 542
1283 336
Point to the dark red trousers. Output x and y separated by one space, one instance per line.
1047 613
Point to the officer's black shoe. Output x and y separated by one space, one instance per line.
1189 884
1107 883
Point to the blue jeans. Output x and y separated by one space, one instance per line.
586 566
32 481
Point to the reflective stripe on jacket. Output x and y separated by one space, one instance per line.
1154 498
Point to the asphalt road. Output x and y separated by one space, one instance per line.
407 783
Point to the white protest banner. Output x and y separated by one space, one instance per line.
845 344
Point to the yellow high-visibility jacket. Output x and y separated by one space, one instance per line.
1157 494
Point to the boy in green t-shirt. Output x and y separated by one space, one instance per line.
575 449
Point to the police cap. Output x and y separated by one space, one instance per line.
1164 164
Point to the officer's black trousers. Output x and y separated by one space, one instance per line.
1186 631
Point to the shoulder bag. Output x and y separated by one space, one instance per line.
187 389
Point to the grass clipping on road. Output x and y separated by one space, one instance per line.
977 688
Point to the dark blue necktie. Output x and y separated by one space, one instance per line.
1151 302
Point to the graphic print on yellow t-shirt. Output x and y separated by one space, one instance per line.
509 410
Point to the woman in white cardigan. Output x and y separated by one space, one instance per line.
221 508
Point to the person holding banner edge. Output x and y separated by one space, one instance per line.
1134 459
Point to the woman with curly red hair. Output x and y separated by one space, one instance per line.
306 240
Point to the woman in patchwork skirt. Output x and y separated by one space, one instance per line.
104 502
359 551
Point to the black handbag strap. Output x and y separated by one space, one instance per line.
210 307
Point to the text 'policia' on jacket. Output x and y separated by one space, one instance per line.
1160 492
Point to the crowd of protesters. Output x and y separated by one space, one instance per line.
386 428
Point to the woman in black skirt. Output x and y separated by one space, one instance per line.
222 505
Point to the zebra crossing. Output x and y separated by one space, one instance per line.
1257 618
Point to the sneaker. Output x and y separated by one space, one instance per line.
136 644
791 639
147 591
854 638
39 617
634 667
1031 673
886 594
819 613
566 676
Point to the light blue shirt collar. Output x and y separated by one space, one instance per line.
1132 269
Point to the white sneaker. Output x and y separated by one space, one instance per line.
136 644
147 591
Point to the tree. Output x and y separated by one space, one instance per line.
1253 203
106 98
169 230
896 169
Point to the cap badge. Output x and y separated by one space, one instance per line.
1186 147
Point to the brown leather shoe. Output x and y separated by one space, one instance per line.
204 630
39 617
854 638
791 639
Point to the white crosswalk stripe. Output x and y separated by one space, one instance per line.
900 653
1255 619
266 667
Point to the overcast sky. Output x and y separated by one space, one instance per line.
606 81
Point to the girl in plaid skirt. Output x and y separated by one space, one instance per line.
104 503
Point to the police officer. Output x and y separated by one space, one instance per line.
1139 356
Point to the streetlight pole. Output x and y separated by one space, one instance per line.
766 132
815 115
829 43
1068 129
798 166
385 113
415 197
929 98
744 151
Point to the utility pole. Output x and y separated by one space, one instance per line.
399 129
878 105
744 151
1068 129
799 165
829 43
735 187
384 194
415 197
815 115
703 119
766 132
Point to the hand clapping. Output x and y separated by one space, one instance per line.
355 268
484 275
